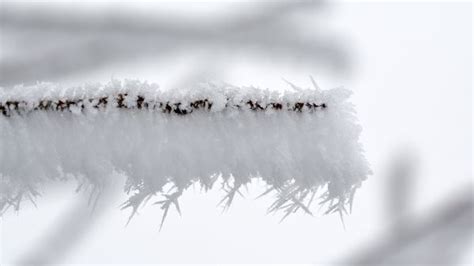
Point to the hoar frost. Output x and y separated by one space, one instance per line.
303 143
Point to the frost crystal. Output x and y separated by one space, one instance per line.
302 143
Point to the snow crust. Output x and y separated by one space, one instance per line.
298 154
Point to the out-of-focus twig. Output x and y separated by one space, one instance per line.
440 238
82 43
73 226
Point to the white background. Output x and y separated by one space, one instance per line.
412 82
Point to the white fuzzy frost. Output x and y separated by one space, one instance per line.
296 153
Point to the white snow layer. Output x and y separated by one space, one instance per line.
298 154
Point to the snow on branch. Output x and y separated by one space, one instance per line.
302 142
137 95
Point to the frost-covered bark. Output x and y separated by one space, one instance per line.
298 152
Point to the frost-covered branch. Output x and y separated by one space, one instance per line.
298 152
136 95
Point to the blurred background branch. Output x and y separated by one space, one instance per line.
46 44
440 238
